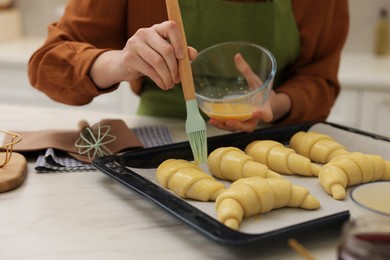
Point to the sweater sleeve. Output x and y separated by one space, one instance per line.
60 68
312 81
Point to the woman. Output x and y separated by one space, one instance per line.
98 44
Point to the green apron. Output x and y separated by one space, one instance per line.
207 22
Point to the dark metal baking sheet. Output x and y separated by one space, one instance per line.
117 167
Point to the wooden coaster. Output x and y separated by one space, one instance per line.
13 174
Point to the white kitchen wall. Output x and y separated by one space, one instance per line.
37 14
364 15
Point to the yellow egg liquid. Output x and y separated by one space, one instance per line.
224 112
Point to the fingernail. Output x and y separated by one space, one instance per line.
180 54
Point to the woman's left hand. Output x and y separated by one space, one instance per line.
263 114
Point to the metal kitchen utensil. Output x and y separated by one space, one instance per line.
8 147
93 140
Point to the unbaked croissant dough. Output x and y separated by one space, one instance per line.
255 195
231 163
281 159
351 169
317 147
188 180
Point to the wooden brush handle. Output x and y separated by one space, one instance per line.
185 70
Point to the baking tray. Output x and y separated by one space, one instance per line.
130 169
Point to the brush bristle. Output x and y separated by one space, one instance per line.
198 143
196 132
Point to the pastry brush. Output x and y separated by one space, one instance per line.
195 125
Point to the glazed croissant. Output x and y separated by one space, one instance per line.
230 163
255 195
317 147
351 169
187 180
281 159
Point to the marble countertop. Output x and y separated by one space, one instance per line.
86 215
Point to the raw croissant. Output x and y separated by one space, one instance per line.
230 163
281 159
351 169
188 180
255 195
317 147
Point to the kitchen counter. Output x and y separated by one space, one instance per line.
356 69
365 71
16 52
364 100
363 77
86 215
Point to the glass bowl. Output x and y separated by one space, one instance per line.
225 92
370 199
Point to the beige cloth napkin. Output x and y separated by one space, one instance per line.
65 140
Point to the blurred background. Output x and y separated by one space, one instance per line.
23 28
364 102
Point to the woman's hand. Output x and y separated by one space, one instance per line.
262 114
151 52
276 106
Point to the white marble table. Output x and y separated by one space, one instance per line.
86 215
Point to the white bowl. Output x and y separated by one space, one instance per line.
371 199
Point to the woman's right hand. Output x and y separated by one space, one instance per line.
153 52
